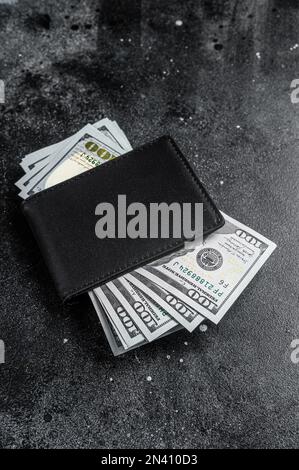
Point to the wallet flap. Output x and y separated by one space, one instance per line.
63 217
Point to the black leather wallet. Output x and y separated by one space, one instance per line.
62 218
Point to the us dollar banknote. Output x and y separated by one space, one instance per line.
110 128
30 173
111 333
182 313
88 149
210 277
151 318
128 331
113 338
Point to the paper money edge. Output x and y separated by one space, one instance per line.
216 318
171 311
145 331
60 154
116 350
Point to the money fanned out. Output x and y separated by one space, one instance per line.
181 290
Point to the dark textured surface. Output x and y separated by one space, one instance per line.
220 84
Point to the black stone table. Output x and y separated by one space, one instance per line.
215 75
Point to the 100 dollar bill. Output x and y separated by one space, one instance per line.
211 277
87 149
127 330
110 128
110 332
151 318
178 310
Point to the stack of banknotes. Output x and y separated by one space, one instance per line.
181 290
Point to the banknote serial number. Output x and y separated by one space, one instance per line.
151 459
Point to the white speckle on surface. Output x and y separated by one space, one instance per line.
176 411
149 379
181 360
178 23
238 126
295 46
171 60
181 118
65 340
111 379
121 39
130 40
186 343
221 182
164 72
203 328
258 55
168 357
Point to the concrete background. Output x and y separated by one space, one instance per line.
220 85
